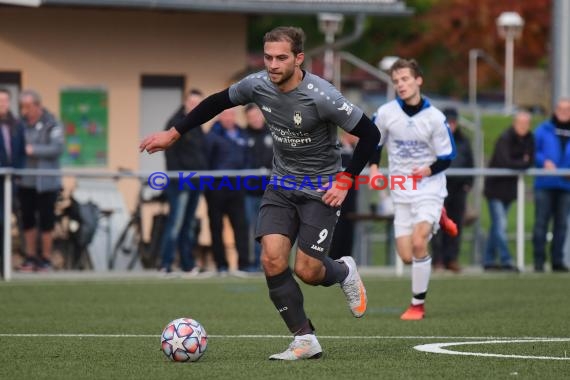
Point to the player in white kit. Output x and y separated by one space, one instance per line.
419 143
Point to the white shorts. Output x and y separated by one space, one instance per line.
407 215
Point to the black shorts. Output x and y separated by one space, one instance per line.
298 216
36 206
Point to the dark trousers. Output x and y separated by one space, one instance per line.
344 231
446 248
180 230
2 249
231 203
550 204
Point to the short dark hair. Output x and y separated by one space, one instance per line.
412 64
451 113
194 91
4 90
251 106
295 36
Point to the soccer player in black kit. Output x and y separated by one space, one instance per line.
303 112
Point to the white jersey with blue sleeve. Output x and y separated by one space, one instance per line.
413 142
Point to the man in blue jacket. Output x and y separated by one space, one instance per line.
12 152
552 193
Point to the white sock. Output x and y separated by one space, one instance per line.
421 271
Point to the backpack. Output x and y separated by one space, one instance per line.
87 217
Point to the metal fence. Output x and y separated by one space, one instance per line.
479 174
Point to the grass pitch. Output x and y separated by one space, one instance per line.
118 323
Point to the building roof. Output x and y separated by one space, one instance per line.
369 7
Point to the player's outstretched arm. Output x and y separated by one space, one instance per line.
205 111
159 141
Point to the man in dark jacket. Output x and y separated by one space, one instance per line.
513 150
259 156
446 247
185 155
226 146
12 154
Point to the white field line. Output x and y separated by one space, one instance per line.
438 348
496 339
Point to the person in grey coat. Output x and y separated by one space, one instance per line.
38 194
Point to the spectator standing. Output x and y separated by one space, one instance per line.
513 150
38 194
12 154
446 248
260 156
552 193
185 155
343 237
226 146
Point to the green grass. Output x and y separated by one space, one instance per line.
458 308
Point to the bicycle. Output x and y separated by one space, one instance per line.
131 241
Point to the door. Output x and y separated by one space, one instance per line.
161 96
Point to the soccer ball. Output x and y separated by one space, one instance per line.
184 340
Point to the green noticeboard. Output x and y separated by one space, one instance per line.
84 113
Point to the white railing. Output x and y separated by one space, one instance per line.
9 173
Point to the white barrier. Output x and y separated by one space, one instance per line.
9 173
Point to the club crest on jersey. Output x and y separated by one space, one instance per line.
297 119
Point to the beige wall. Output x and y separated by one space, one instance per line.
57 47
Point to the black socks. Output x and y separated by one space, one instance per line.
335 272
288 300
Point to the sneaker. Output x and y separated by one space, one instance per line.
303 347
414 313
44 266
509 268
447 224
453 266
353 288
222 273
28 266
194 272
204 273
239 273
561 268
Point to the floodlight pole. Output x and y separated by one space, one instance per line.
330 24
509 75
473 55
385 65
509 25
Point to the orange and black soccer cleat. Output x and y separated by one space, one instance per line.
447 224
414 313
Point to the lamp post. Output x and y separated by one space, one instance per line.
330 24
385 65
510 26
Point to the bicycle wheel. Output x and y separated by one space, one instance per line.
126 243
